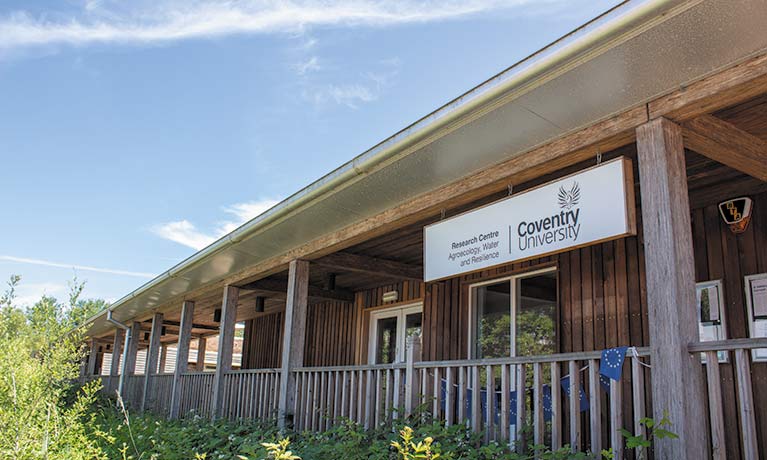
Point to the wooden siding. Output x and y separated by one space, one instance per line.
331 328
262 347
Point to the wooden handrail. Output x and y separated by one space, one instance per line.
726 345
577 356
252 371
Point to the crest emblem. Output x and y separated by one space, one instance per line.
736 213
569 198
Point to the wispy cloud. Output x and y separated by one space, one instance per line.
310 65
29 293
367 89
186 233
48 263
348 95
172 20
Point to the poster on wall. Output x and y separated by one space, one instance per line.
711 318
593 205
756 302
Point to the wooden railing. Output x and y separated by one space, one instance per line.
457 392
714 353
133 390
250 394
159 394
196 393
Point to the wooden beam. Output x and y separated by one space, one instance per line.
225 345
315 293
93 347
737 84
670 277
117 350
182 356
203 327
201 347
163 358
726 143
357 263
294 338
132 351
152 356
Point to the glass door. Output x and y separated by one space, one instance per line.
390 330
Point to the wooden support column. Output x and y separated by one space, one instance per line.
132 352
677 375
117 349
182 355
225 345
294 338
201 347
152 355
93 346
163 359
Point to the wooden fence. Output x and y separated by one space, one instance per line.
133 391
503 398
520 400
159 394
196 393
714 353
250 394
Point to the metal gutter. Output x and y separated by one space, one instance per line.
593 38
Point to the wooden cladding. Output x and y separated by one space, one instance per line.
331 329
262 342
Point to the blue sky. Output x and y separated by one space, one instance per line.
134 133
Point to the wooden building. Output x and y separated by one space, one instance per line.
339 320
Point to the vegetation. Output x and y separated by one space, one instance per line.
42 414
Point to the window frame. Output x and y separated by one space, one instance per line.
512 280
400 312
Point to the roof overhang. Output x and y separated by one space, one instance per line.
621 60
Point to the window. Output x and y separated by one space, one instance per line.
390 330
515 316
711 319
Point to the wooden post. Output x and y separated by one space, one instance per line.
225 345
182 355
93 346
117 349
677 375
411 390
163 359
201 347
132 352
294 337
152 355
84 364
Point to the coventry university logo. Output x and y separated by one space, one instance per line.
568 199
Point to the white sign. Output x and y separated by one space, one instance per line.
756 305
584 208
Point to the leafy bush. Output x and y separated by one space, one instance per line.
43 413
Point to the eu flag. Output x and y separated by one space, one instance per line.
604 381
612 362
584 401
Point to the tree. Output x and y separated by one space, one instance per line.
39 364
